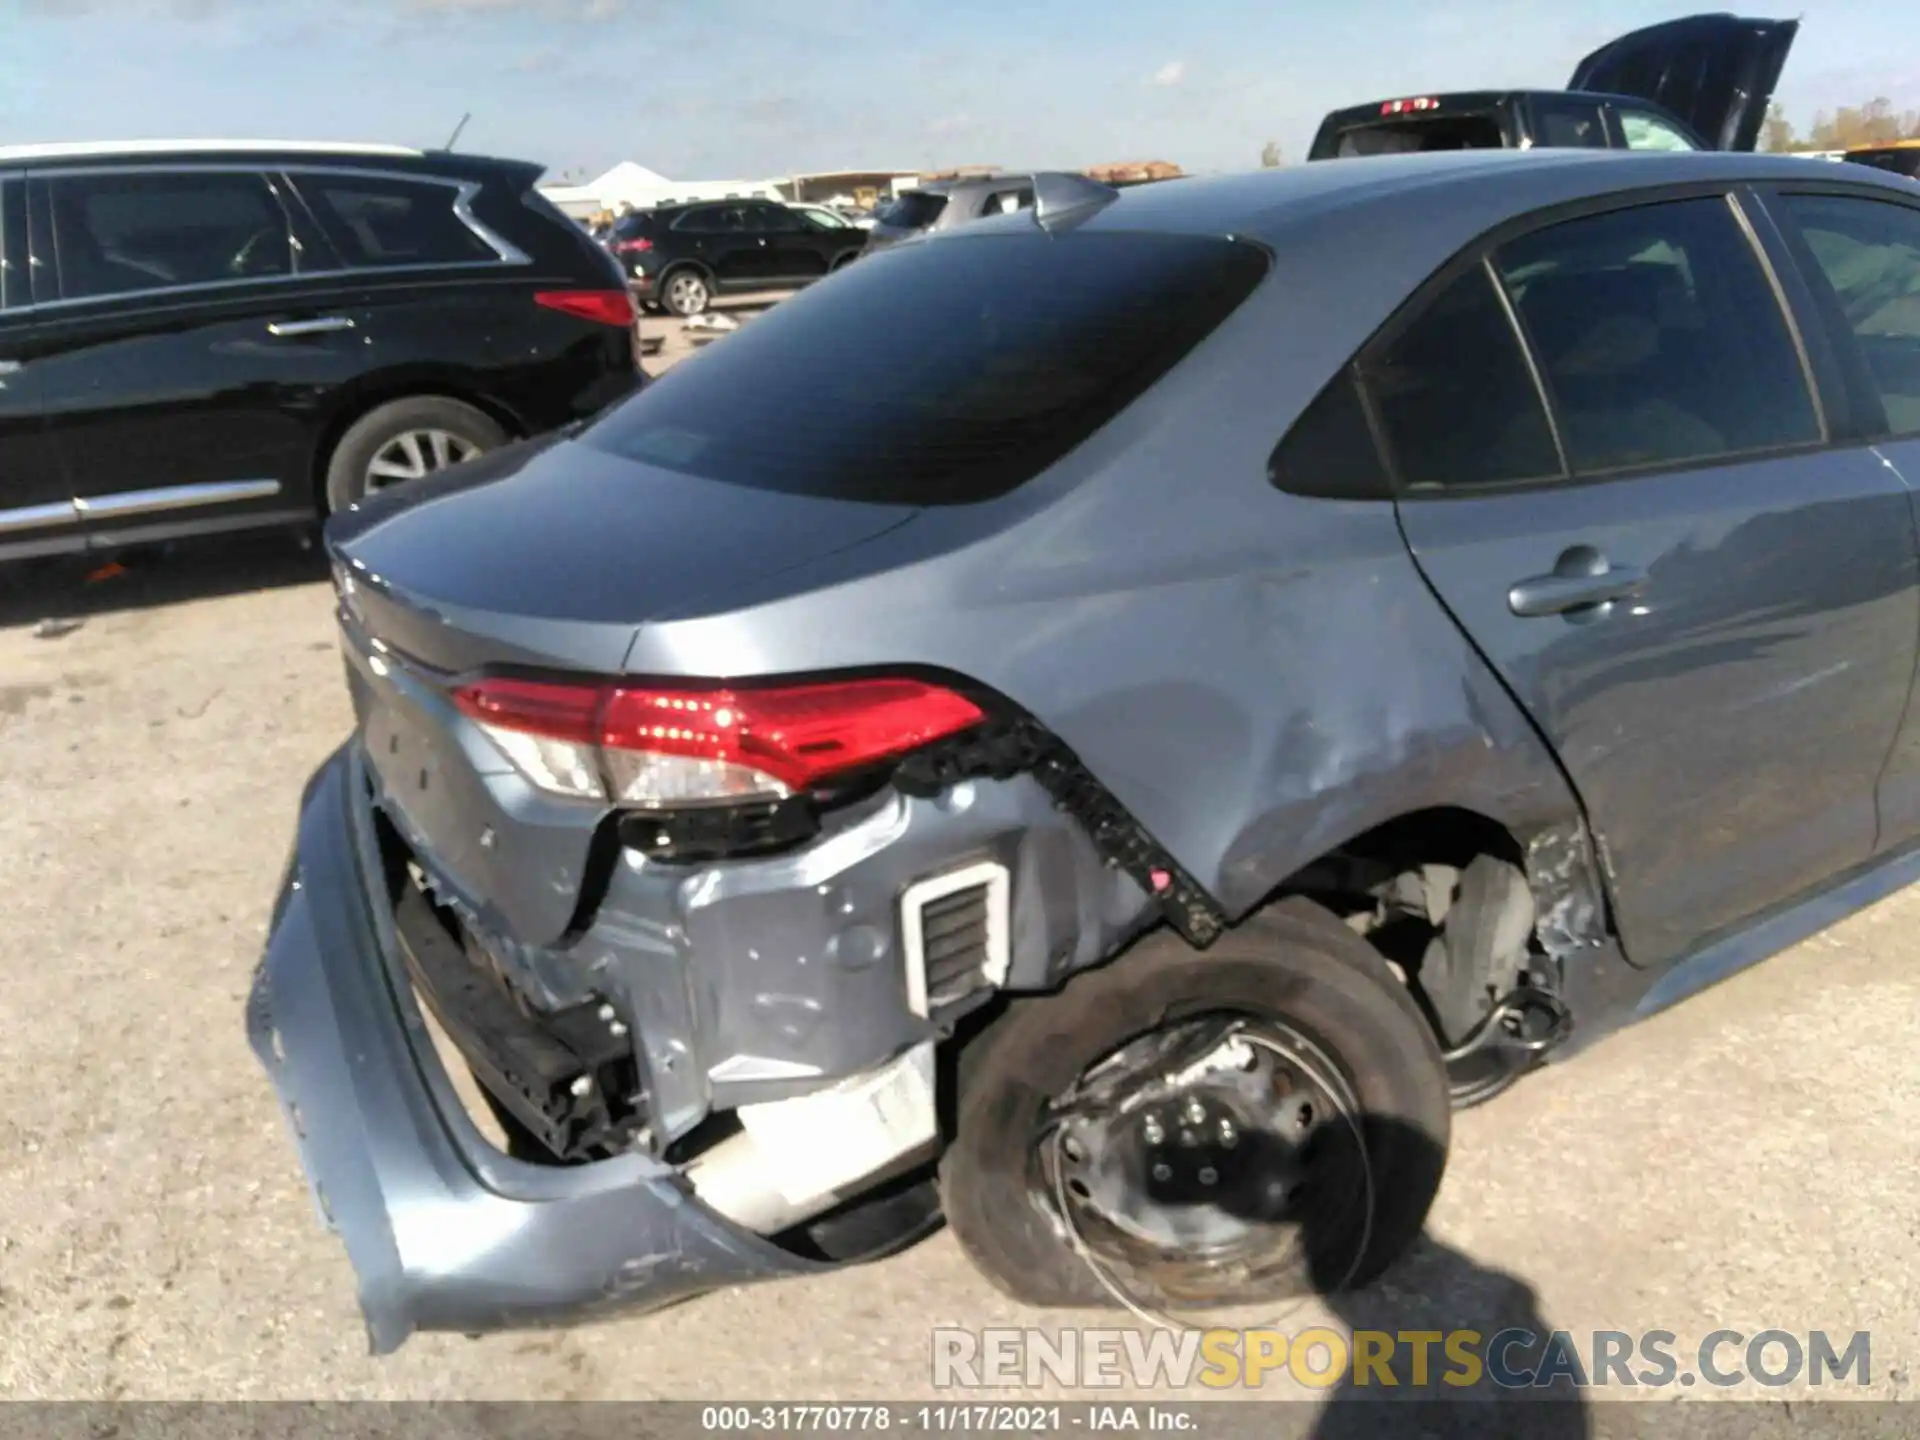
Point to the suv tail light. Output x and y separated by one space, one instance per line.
657 749
609 307
632 247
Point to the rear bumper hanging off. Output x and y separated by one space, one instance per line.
445 1232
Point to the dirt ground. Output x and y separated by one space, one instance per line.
1749 1160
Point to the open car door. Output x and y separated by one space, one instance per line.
1716 72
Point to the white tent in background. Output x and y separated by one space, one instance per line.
631 184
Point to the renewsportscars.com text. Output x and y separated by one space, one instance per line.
1321 1358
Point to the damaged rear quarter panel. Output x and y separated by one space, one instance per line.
1255 676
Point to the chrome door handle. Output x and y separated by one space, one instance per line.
9 367
1581 579
288 328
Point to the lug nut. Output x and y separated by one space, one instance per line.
1196 1113
616 1029
1189 1139
1228 1135
1208 1175
1163 1172
1155 1134
606 1012
582 1085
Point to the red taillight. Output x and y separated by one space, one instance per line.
657 748
609 307
632 247
1404 107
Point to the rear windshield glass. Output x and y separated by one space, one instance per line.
1403 137
913 211
629 227
938 374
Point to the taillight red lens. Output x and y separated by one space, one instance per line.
632 247
609 307
657 748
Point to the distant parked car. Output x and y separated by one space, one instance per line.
943 204
681 256
1701 82
1902 157
219 335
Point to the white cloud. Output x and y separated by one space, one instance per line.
1171 73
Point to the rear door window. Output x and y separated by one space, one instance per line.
1005 202
123 232
1868 254
713 220
939 374
1660 337
376 222
1455 398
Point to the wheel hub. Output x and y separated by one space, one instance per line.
1202 1150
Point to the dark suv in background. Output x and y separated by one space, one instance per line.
682 256
214 336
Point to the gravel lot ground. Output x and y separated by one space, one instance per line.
1746 1161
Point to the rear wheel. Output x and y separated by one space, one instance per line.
404 440
1263 1120
685 292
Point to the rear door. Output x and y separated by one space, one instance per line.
173 390
797 249
731 247
1701 592
36 502
1860 252
1715 72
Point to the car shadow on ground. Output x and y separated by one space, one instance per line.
1458 1344
55 592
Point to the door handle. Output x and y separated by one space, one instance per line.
1581 579
9 367
286 329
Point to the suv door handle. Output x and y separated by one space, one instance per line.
1581 579
288 328
9 367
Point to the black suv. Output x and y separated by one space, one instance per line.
215 336
682 256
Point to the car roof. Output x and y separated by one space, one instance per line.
88 153
1431 196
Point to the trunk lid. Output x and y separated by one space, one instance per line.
1716 72
545 557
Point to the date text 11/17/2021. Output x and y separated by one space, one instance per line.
938 1419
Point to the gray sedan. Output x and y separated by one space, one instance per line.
1106 727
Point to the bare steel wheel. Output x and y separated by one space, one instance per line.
1184 1130
1205 1153
416 454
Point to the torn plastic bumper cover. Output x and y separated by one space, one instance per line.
444 1231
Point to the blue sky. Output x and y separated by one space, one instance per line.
721 88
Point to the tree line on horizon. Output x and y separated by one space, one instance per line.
1851 127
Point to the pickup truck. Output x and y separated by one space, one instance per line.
1702 82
